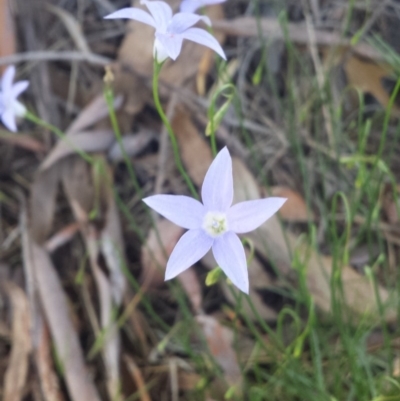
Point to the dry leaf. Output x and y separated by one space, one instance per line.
295 208
54 302
219 340
111 243
17 369
40 334
43 202
23 141
7 30
137 377
368 76
133 145
90 141
62 237
388 201
195 152
94 112
191 285
188 380
48 379
155 254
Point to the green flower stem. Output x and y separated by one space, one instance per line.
109 96
35 119
172 137
213 144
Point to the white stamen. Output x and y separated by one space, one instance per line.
215 224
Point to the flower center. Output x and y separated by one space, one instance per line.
215 224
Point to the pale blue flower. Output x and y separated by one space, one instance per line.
170 29
215 223
190 6
10 107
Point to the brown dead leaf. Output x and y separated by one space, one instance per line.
43 202
111 340
219 340
388 202
191 285
48 379
137 377
55 306
41 341
295 208
7 30
17 369
155 254
195 152
94 112
23 141
188 380
61 237
133 145
90 141
206 62
368 77
111 244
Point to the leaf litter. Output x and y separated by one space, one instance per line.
77 242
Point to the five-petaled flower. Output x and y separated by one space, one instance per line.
170 29
215 223
10 107
190 6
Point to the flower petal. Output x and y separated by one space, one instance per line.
190 6
192 246
247 216
18 88
8 119
229 253
7 80
159 51
161 12
204 38
181 210
172 45
217 189
133 13
180 22
18 109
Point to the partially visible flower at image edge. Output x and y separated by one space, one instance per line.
10 107
190 6
215 223
171 30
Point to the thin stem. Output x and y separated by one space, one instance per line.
35 119
172 137
213 143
